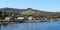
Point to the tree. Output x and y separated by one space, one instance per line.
1 16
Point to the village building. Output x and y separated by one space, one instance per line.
45 18
20 18
30 18
57 19
12 14
33 18
25 18
7 18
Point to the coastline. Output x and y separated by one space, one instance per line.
16 22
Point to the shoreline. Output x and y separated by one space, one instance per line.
16 22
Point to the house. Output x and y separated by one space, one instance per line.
12 14
25 18
45 18
57 19
7 18
20 18
30 18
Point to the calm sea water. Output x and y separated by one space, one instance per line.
32 26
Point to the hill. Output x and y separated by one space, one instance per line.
31 12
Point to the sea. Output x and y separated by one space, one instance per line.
32 26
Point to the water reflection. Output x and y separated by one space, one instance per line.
17 27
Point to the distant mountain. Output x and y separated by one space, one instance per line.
17 10
11 10
30 11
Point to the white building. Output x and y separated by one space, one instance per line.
30 18
7 18
20 18
58 19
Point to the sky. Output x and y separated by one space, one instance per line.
44 5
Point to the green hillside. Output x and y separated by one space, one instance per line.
31 12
